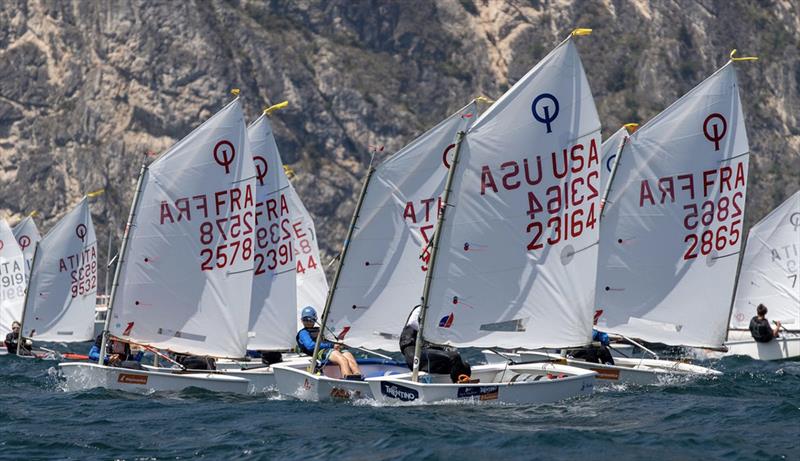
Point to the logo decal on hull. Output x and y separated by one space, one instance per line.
603 373
482 392
396 391
127 378
345 394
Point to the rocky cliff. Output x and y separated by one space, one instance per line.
87 87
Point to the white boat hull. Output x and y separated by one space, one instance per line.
261 380
81 376
787 346
231 364
293 380
536 383
641 372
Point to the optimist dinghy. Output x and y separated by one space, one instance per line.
770 275
640 371
184 279
671 230
380 272
514 252
62 288
294 380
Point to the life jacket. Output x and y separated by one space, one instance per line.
760 330
314 332
408 337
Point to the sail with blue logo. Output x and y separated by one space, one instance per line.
517 257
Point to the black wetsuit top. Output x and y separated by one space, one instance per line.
760 330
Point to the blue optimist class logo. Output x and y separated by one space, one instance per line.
545 109
396 391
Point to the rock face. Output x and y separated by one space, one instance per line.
87 87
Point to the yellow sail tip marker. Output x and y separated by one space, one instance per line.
95 193
580 32
235 91
281 105
290 174
484 100
744 58
33 214
631 126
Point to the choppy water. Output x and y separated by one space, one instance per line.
751 412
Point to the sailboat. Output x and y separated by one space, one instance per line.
12 281
380 272
62 291
671 231
282 245
27 235
770 275
184 279
514 252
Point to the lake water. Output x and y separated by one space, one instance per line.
750 412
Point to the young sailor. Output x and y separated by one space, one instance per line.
597 352
759 326
328 351
13 338
434 358
118 353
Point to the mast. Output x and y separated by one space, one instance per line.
736 279
613 171
345 246
429 275
118 269
25 303
108 258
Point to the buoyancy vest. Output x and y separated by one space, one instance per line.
760 330
408 337
314 332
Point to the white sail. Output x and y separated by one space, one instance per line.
381 278
12 279
63 285
27 235
518 252
186 279
273 315
671 231
770 272
312 285
610 150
